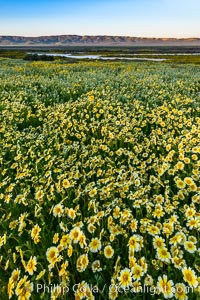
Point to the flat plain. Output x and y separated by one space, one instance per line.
100 169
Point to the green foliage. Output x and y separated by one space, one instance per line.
99 173
36 57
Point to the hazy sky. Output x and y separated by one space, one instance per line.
146 18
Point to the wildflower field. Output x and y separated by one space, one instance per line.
99 180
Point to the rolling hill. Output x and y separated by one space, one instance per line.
98 40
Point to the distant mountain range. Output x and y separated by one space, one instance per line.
97 40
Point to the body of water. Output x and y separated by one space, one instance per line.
120 57
99 57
